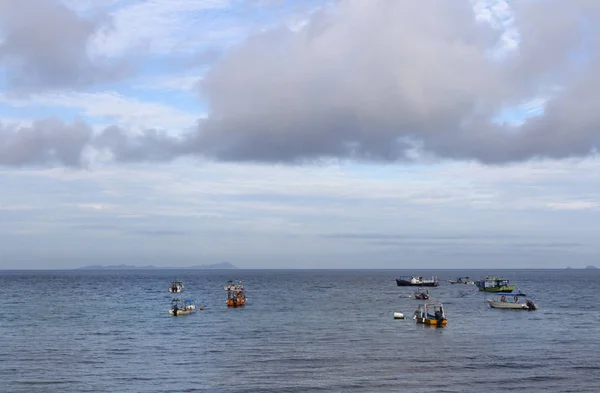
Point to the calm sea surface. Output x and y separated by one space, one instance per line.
301 331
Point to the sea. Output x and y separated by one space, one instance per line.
301 331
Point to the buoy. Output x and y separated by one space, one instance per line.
409 296
201 308
398 315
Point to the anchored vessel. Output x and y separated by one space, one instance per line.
236 294
416 281
181 307
176 287
494 284
512 301
462 280
431 314
422 294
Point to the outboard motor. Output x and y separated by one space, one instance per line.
439 317
530 305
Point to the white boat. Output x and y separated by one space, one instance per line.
181 307
511 301
462 280
176 287
417 281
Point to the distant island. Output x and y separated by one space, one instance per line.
221 265
591 267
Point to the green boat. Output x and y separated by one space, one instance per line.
494 284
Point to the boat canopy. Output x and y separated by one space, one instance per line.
187 299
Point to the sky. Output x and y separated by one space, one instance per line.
300 133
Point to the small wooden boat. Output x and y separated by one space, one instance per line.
417 281
512 301
236 294
181 307
176 287
494 284
431 314
462 280
421 294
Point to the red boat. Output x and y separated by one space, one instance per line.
236 294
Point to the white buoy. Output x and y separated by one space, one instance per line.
398 315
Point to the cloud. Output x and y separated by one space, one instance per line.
376 80
111 107
43 45
160 26
44 142
160 232
573 205
384 80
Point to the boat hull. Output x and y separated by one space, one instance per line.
509 305
181 313
432 322
236 302
503 289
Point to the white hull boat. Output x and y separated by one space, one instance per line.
509 302
182 307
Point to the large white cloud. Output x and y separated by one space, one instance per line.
380 80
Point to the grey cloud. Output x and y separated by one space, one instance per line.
160 232
54 142
370 80
375 80
43 44
151 145
402 237
45 142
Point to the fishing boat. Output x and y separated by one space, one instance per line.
236 294
512 301
176 287
462 280
181 307
421 294
431 314
494 284
417 281
231 285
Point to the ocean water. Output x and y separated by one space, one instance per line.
301 331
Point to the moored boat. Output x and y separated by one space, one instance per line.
431 314
417 281
494 284
176 287
181 307
462 280
236 294
512 301
421 294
